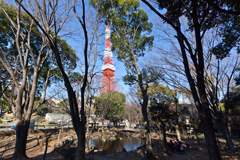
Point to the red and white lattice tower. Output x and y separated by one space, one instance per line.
109 83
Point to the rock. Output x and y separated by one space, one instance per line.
136 135
104 139
154 135
112 138
95 137
68 140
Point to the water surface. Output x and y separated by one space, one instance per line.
129 143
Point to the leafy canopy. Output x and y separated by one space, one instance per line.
110 105
161 99
130 31
223 14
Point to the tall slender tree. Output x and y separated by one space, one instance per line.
21 59
218 72
130 40
201 17
28 61
45 16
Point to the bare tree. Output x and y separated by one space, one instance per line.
218 73
132 114
24 69
45 17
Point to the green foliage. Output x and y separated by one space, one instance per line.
69 60
110 105
42 111
75 76
208 15
149 75
230 33
68 55
3 102
183 113
229 29
222 107
7 35
161 98
199 126
163 94
5 25
131 30
234 101
159 93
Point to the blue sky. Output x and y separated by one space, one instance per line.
77 40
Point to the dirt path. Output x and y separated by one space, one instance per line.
35 151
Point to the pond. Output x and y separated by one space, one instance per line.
128 143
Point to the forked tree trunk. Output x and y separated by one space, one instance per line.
201 100
198 93
204 110
79 125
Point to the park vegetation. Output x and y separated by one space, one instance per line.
196 56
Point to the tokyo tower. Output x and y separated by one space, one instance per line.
109 83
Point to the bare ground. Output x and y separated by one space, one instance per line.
35 150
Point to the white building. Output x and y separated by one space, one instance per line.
54 117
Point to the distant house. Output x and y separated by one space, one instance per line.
56 101
55 117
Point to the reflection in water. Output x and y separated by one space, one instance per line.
129 143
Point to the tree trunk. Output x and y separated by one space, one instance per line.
178 132
147 134
227 136
87 123
78 125
149 146
209 135
228 125
201 100
102 125
204 110
81 143
164 137
21 140
177 126
196 133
